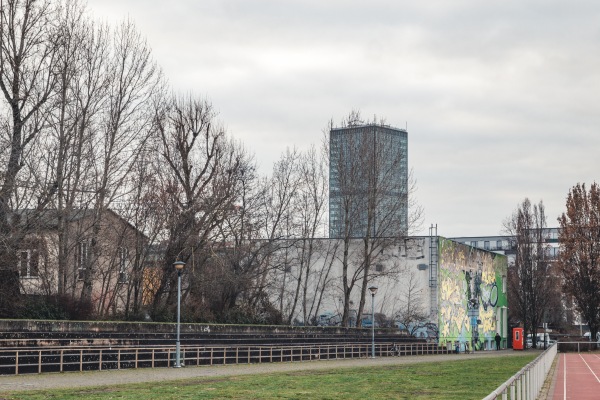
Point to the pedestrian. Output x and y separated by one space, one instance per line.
498 339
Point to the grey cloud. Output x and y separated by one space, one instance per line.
500 98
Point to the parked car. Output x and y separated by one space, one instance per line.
329 319
367 321
587 336
540 340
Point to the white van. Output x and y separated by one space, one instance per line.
540 340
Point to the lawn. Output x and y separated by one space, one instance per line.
463 379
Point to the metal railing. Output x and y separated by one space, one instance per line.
65 359
567 347
527 383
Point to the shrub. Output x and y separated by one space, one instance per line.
56 307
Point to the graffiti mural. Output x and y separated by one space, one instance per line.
469 295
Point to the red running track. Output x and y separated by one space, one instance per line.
578 377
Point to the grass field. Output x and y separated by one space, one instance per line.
461 380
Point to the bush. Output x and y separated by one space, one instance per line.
56 308
263 313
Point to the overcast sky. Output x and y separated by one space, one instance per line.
501 99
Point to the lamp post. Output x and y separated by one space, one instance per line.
373 290
178 266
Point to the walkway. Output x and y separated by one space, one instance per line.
11 383
577 377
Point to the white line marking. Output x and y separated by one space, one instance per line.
591 370
565 376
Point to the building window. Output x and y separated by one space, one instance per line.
473 243
29 263
379 268
83 258
552 252
123 264
499 245
486 245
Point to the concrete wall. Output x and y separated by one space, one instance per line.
396 264
86 327
402 269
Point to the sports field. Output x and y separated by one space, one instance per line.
462 379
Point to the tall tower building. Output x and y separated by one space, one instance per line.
368 181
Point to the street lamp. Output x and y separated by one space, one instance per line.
373 290
178 266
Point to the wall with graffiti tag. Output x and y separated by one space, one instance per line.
472 299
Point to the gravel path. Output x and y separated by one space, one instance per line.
118 377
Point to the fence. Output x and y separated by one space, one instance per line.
567 347
41 360
528 382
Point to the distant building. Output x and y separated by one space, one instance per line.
110 270
360 155
504 244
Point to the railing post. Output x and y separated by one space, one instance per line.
39 362
61 360
17 362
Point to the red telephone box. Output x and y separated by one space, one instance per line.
518 341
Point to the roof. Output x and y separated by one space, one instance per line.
48 219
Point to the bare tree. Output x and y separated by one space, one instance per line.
531 282
278 215
67 151
322 279
370 187
249 257
579 259
145 207
411 314
344 180
311 204
203 169
304 215
134 83
29 41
